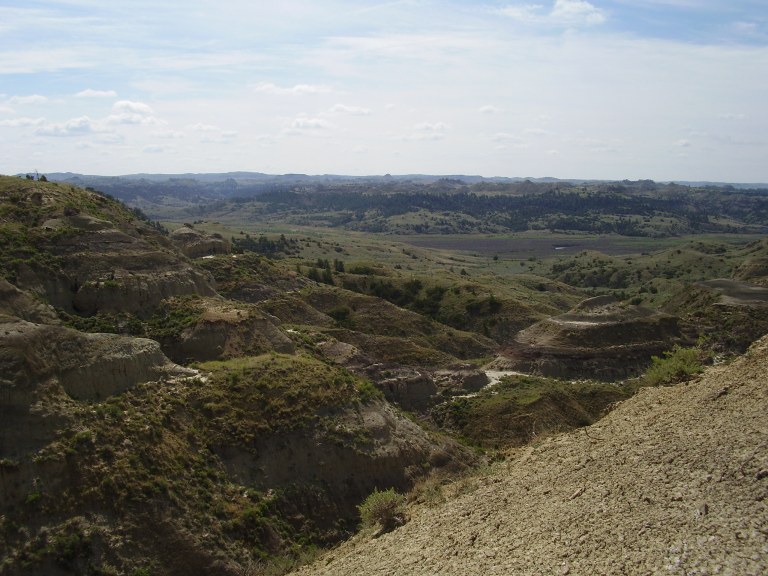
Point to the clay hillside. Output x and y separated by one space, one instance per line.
673 481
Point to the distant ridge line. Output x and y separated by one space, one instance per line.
327 178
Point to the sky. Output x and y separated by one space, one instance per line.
604 89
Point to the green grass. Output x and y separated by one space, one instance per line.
173 316
522 408
270 393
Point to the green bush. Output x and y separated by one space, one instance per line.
385 509
368 391
340 314
677 365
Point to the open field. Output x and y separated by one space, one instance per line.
547 245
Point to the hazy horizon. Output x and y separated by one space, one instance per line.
570 89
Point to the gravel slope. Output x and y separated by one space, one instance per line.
674 481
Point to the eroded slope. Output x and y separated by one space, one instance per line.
673 481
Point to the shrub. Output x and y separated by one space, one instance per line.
340 313
677 364
368 391
383 508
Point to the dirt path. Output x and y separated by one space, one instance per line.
495 376
674 481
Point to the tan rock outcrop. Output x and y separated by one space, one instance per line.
397 451
600 338
225 330
14 302
138 292
195 243
94 256
36 360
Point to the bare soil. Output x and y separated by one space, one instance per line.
674 481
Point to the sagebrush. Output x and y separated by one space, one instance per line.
383 508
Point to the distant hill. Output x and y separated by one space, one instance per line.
318 178
423 204
245 177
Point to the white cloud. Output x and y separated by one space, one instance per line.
23 100
308 126
201 127
745 27
505 138
91 93
128 112
20 122
297 90
593 144
562 13
155 149
109 138
220 138
431 127
683 143
128 118
428 131
345 53
576 12
75 127
523 12
732 116
488 109
537 132
127 106
304 123
169 134
34 61
350 110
